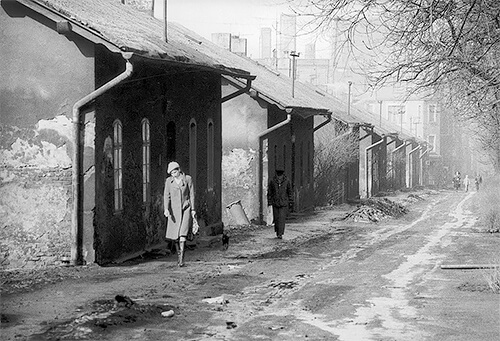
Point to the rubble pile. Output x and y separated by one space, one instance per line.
376 209
412 198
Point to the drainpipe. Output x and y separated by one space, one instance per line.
422 165
238 92
322 124
76 218
367 173
410 166
403 145
368 128
261 137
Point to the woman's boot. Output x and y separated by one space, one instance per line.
181 254
178 251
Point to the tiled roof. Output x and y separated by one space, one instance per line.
126 29
129 30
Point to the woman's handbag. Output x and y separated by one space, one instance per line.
195 228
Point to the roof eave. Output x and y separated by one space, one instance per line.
225 71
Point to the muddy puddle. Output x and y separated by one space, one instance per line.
105 316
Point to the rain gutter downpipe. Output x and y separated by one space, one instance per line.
403 145
410 166
422 165
322 124
240 91
367 173
260 171
77 213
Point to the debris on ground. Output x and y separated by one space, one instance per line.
123 301
276 327
215 300
284 285
376 209
230 325
103 316
414 198
168 313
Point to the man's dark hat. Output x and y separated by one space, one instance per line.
280 170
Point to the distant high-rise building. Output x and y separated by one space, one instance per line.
265 42
288 35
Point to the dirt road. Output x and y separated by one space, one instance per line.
327 280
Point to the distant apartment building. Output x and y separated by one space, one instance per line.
266 48
308 68
231 42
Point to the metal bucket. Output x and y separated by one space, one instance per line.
238 213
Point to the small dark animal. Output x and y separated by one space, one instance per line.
225 241
123 301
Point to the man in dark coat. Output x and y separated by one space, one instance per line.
279 196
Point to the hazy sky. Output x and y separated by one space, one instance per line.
238 17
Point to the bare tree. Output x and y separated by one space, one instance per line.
331 159
450 48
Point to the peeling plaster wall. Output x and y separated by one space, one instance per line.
35 194
43 75
239 179
243 118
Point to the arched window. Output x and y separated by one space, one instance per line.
118 165
146 160
210 154
192 149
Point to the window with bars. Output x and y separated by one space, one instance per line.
146 160
118 165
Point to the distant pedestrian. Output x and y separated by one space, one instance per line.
456 181
477 181
279 196
179 208
466 183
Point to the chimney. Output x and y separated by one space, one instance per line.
160 12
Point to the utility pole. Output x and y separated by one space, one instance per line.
165 19
276 53
294 55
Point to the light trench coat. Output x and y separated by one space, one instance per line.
179 200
